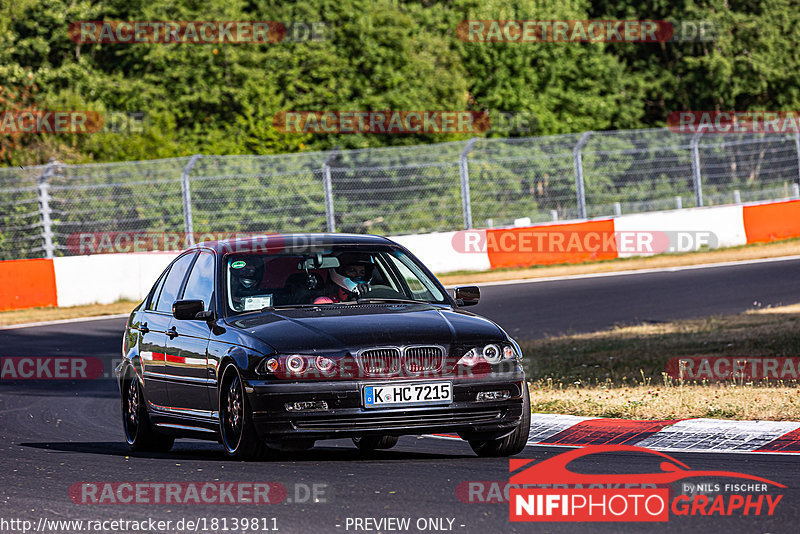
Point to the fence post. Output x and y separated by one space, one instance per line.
577 159
698 184
466 200
797 148
330 219
44 208
186 193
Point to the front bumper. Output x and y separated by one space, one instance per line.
347 417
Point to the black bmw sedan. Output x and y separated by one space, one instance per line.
277 341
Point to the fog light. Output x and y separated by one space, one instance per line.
306 406
295 363
494 395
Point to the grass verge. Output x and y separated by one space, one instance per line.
620 372
35 315
789 247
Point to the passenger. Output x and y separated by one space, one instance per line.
246 274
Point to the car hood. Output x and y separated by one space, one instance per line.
337 328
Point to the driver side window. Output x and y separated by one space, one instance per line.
172 283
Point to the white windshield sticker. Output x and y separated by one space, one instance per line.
256 303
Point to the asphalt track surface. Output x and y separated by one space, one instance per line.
55 434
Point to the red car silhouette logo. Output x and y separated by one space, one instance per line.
555 470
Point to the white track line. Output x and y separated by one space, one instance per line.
636 271
64 321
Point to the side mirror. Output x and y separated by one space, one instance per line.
187 309
467 295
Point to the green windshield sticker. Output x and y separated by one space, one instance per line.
238 264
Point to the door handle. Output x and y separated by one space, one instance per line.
172 332
143 329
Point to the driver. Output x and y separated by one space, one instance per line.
351 280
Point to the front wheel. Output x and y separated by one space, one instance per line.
139 433
512 443
371 443
238 433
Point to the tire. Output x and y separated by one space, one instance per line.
237 432
139 432
514 442
372 443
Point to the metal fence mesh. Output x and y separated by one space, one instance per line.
47 210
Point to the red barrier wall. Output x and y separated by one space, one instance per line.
27 284
583 241
772 222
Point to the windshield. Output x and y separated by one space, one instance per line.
338 274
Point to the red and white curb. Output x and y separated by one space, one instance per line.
687 435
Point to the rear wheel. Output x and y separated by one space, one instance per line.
238 433
512 443
371 443
139 432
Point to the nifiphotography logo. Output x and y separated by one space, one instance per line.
572 496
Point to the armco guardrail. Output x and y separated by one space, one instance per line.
393 191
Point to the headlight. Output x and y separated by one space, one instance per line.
295 363
492 353
324 364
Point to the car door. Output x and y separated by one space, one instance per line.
158 320
152 327
187 345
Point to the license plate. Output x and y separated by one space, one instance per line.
416 394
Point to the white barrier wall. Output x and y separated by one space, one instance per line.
437 253
107 278
725 223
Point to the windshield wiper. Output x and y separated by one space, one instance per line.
370 300
290 306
